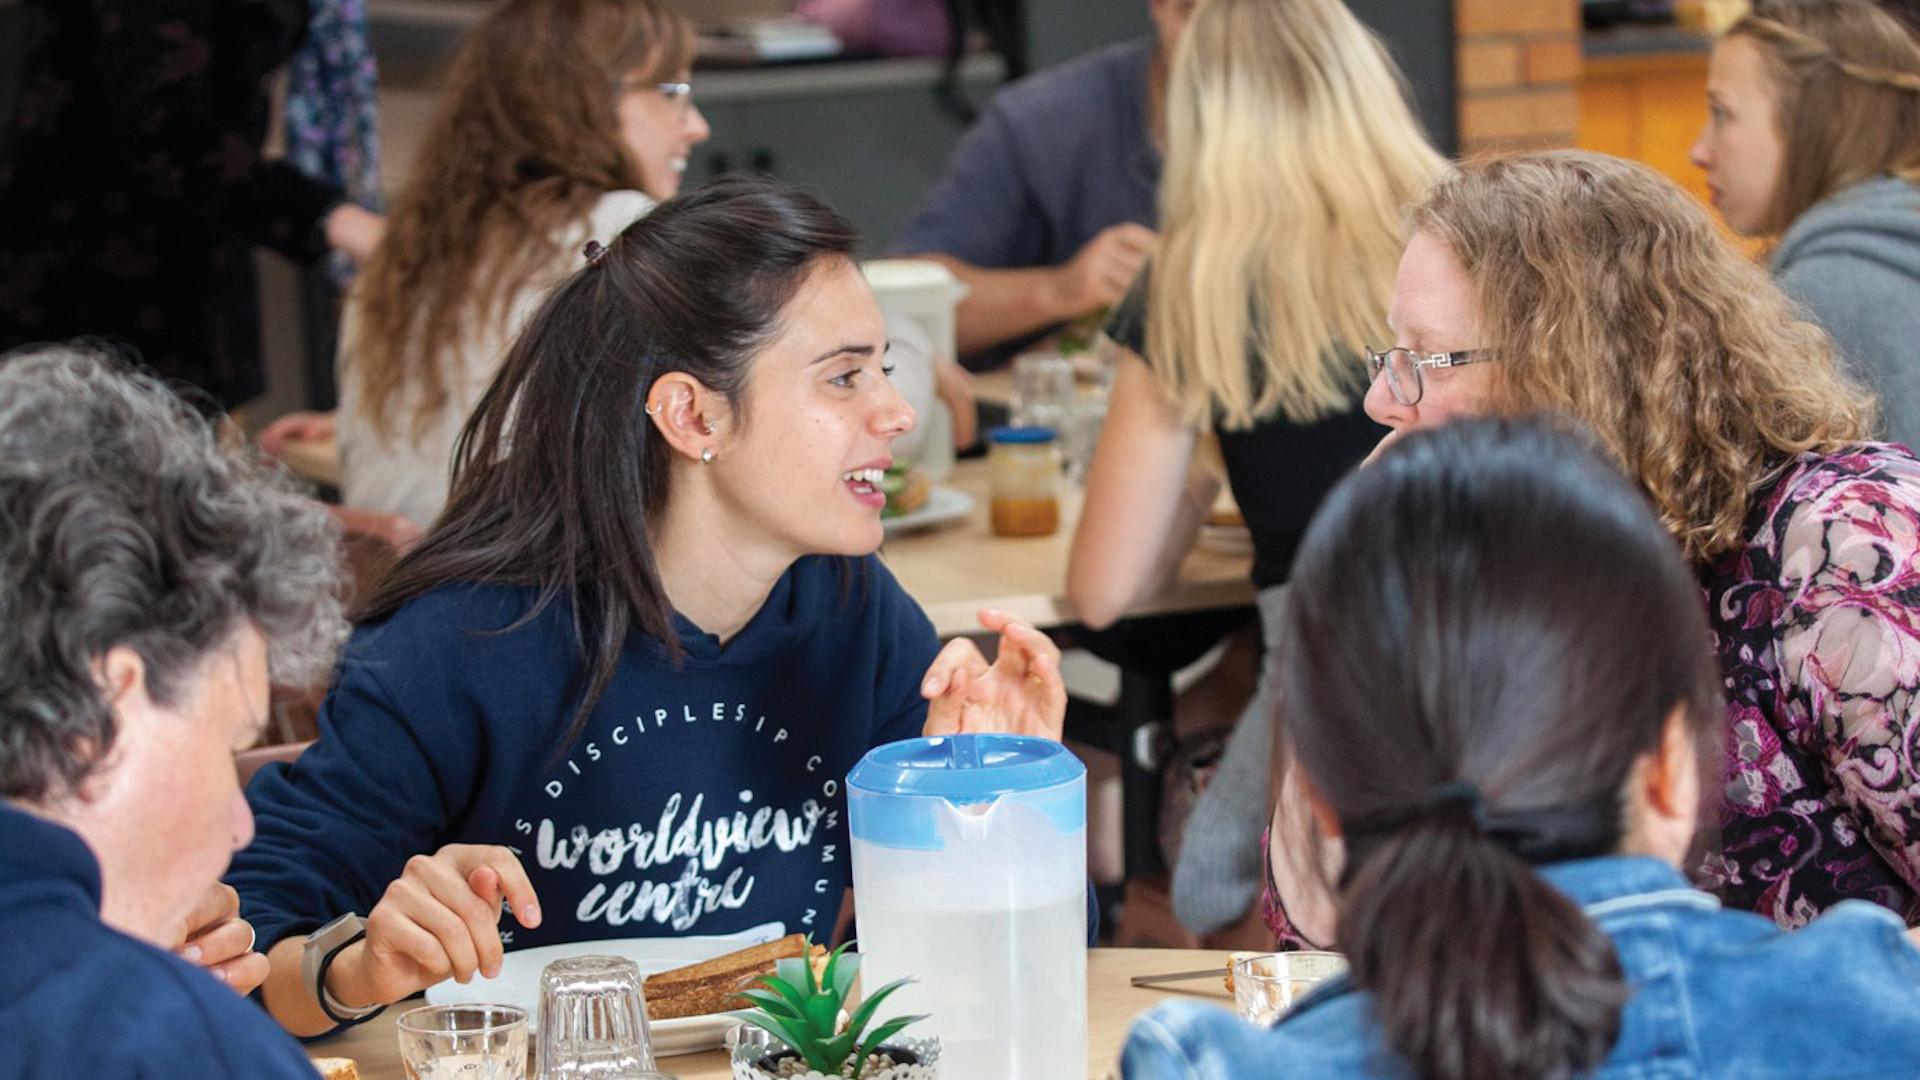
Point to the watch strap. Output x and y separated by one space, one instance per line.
336 1012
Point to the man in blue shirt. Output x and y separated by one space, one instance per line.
1049 204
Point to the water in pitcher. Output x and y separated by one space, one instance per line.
1033 1027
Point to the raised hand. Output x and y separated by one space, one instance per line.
1020 693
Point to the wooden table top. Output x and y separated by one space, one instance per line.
1112 1003
957 568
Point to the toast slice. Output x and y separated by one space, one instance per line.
710 986
336 1068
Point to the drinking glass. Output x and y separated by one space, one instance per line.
1267 984
593 1021
1043 391
464 1042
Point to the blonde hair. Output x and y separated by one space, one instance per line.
527 141
1291 152
1612 299
1846 78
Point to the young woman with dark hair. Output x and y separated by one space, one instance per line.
1517 757
621 680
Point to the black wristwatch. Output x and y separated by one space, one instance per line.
322 946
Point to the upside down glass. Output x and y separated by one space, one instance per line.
1266 985
464 1042
593 1021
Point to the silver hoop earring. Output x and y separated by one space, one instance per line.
706 456
651 409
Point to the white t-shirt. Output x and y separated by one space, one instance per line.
395 475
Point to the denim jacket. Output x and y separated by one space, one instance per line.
1716 995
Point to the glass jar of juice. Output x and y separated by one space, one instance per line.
1023 470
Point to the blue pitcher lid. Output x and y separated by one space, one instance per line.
965 768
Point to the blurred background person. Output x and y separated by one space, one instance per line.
1047 209
562 122
1495 688
1813 141
1594 288
133 190
151 585
1292 153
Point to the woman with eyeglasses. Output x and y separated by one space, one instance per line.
1291 152
562 121
1590 287
1497 689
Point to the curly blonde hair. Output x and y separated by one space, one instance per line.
1827 59
1291 156
1612 299
527 140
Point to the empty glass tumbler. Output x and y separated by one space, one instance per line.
593 1021
1266 985
464 1042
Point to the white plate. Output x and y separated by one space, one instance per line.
943 504
519 983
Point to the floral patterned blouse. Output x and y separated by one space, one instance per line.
1817 623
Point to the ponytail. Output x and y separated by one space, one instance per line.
1478 968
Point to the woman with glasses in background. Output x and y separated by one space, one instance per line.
1593 288
1291 152
564 120
1495 682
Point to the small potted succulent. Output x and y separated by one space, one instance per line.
803 1014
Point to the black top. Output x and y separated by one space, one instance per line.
132 187
1278 470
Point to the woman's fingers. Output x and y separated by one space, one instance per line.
243 973
957 655
442 917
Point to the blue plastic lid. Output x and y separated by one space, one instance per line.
913 777
965 768
1020 434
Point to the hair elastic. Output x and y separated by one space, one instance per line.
593 251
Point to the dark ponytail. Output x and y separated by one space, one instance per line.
1492 973
1486 630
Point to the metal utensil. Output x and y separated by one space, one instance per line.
1179 976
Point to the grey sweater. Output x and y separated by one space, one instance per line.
1853 262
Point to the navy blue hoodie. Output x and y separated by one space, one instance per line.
703 797
81 999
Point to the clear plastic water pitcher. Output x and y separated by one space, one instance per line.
970 877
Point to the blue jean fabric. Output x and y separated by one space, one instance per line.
1716 995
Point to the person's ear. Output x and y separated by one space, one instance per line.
120 674
1323 813
1664 799
688 415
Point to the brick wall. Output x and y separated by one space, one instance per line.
1518 66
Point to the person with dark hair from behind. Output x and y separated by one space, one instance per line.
621 680
151 585
1517 757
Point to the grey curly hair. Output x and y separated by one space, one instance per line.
123 522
